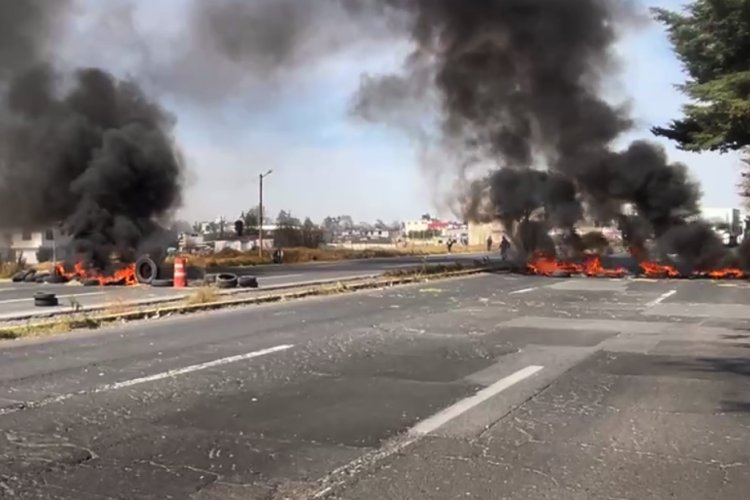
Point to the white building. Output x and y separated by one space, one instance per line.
30 245
722 215
416 226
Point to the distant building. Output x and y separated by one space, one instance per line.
33 245
247 242
478 233
416 226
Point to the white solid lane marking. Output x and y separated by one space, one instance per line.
11 301
8 289
524 290
192 368
661 298
424 427
151 378
436 421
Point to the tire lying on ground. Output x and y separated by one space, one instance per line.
146 270
40 277
162 283
31 277
44 299
20 276
226 280
90 282
247 282
55 279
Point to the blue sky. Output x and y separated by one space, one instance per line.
326 164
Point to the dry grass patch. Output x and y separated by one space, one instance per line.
204 295
118 306
234 258
8 269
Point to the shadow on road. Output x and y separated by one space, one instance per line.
730 366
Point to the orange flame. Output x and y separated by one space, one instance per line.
546 266
125 275
727 273
654 270
592 266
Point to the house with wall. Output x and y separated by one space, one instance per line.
29 245
478 233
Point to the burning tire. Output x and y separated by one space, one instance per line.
247 282
146 270
157 283
226 280
44 299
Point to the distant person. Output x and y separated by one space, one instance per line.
504 247
450 244
489 243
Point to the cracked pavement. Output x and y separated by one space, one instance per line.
643 394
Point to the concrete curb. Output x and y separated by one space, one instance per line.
156 312
55 313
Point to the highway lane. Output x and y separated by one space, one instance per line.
487 387
17 298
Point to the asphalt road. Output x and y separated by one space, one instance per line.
489 387
17 298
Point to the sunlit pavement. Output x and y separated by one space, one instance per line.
16 299
495 386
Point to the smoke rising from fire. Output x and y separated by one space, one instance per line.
513 84
520 86
78 148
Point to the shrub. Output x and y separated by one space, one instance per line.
8 269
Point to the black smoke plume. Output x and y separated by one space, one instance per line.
79 149
520 86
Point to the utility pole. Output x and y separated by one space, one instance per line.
260 213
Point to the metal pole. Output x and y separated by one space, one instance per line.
54 251
260 218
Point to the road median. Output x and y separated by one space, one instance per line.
201 300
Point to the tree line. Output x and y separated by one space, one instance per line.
712 40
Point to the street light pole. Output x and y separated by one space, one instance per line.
260 213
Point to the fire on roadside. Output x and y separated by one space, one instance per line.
123 276
592 266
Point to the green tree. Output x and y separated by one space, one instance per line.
712 39
250 218
286 219
312 235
